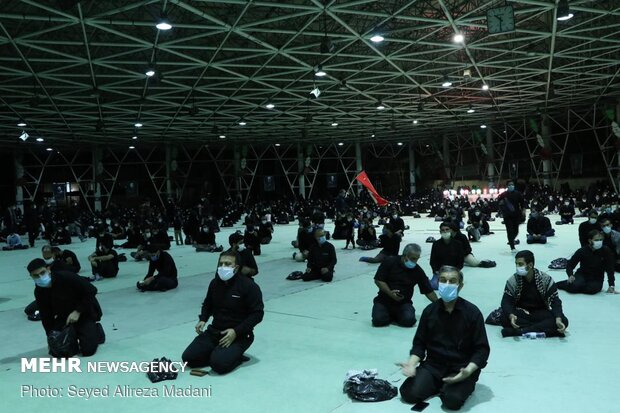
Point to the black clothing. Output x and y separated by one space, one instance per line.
511 204
106 269
134 239
164 266
593 264
160 238
106 240
236 303
444 253
397 224
206 351
390 244
462 238
393 272
205 238
584 228
75 267
402 313
538 226
322 256
305 240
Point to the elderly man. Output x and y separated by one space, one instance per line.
396 278
531 302
450 347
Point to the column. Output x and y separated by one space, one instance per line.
301 166
97 170
618 146
358 165
490 157
446 157
412 183
168 172
547 165
237 157
19 175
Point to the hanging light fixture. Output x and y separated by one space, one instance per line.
21 124
380 106
334 123
39 139
163 23
483 126
319 71
446 81
138 124
242 123
458 38
564 12
471 109
270 106
150 70
485 87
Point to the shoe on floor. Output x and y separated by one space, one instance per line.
96 277
36 316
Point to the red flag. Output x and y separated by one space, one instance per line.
364 180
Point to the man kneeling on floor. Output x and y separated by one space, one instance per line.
236 304
321 259
65 298
531 302
166 277
396 279
451 346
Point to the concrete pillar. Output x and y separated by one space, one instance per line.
301 166
358 164
490 157
412 183
19 174
446 157
618 150
547 165
97 170
237 157
168 172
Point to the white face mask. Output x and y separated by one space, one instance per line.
240 247
593 221
49 261
225 273
522 271
446 235
597 244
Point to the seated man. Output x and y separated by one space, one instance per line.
538 228
61 235
205 241
567 212
594 261
450 345
14 242
611 240
235 302
104 263
166 277
470 260
446 251
252 239
103 238
66 298
118 232
396 279
265 231
304 242
134 237
531 302
389 240
247 263
60 259
478 225
160 237
366 235
587 226
321 259
397 223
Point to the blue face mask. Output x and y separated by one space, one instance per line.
511 188
410 264
154 257
44 280
448 292
309 230
322 240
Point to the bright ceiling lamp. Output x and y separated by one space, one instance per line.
483 126
163 23
485 87
150 70
21 124
242 123
40 139
471 109
320 72
415 121
380 106
340 144
270 106
222 136
334 123
134 137
132 147
446 81
458 38
138 124
377 38
564 13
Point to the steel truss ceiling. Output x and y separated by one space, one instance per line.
74 71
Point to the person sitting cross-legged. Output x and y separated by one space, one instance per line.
538 228
531 302
166 277
235 302
396 278
450 347
389 240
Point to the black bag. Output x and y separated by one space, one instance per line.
495 318
370 390
63 343
157 376
295 275
558 264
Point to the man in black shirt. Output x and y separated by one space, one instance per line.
594 261
567 212
389 241
398 225
469 258
451 346
531 302
104 238
265 231
321 259
247 263
587 226
396 278
538 228
66 298
59 259
235 302
104 263
304 242
446 251
162 262
512 206
205 240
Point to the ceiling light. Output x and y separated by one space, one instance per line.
471 109
150 70
340 144
320 72
24 136
270 106
372 136
222 136
134 137
49 149
163 23
415 121
334 123
400 144
380 106
137 125
277 144
242 123
377 38
458 38
485 87
563 12
483 126
132 147
446 81
21 124
40 139
316 92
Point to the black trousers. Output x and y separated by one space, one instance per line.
512 230
106 269
316 275
161 283
205 351
583 284
536 321
32 236
428 381
401 313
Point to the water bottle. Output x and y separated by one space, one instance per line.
533 335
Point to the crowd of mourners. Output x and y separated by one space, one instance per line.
443 360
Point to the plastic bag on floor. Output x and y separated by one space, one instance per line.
164 371
63 343
366 387
558 264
